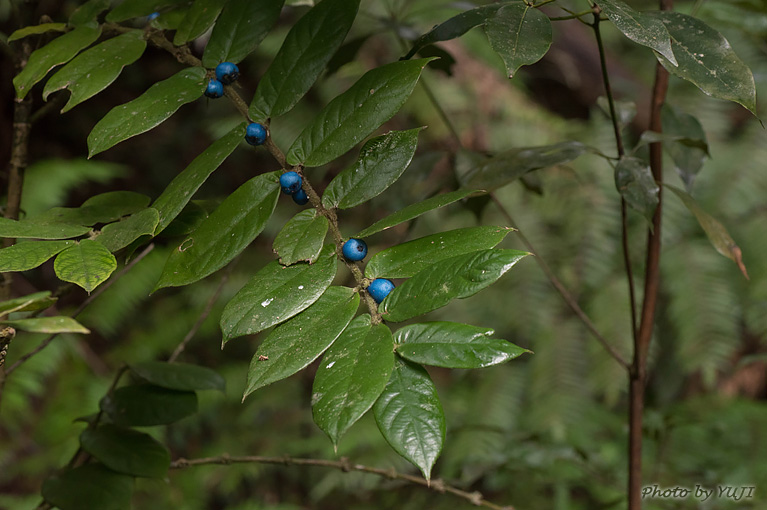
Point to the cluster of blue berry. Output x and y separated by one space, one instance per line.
354 250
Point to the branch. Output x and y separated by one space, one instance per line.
569 299
344 465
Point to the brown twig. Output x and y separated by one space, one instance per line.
559 286
344 465
204 315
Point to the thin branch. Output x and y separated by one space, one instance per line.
344 465
569 299
204 315
80 309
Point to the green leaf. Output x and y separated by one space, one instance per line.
688 159
407 259
148 110
356 113
353 373
635 183
87 264
520 34
117 236
94 70
381 162
277 293
302 237
415 210
186 221
179 376
199 18
453 345
224 234
294 345
48 325
641 28
243 24
716 232
89 486
707 60
26 229
454 278
185 185
506 167
88 12
145 405
170 20
137 8
410 417
29 303
126 451
37 30
59 51
455 26
103 208
25 256
308 47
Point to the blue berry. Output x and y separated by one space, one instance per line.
255 134
355 250
290 182
152 16
227 73
300 197
380 288
215 89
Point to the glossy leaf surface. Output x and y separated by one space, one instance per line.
25 256
520 34
126 451
59 51
305 52
199 18
356 113
148 110
707 60
240 28
302 238
95 69
89 486
454 278
146 405
137 8
87 264
353 373
88 12
179 376
301 340
636 184
410 417
415 210
406 259
506 167
48 325
275 294
456 26
185 185
223 234
103 208
641 28
453 345
381 162
117 236
26 229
